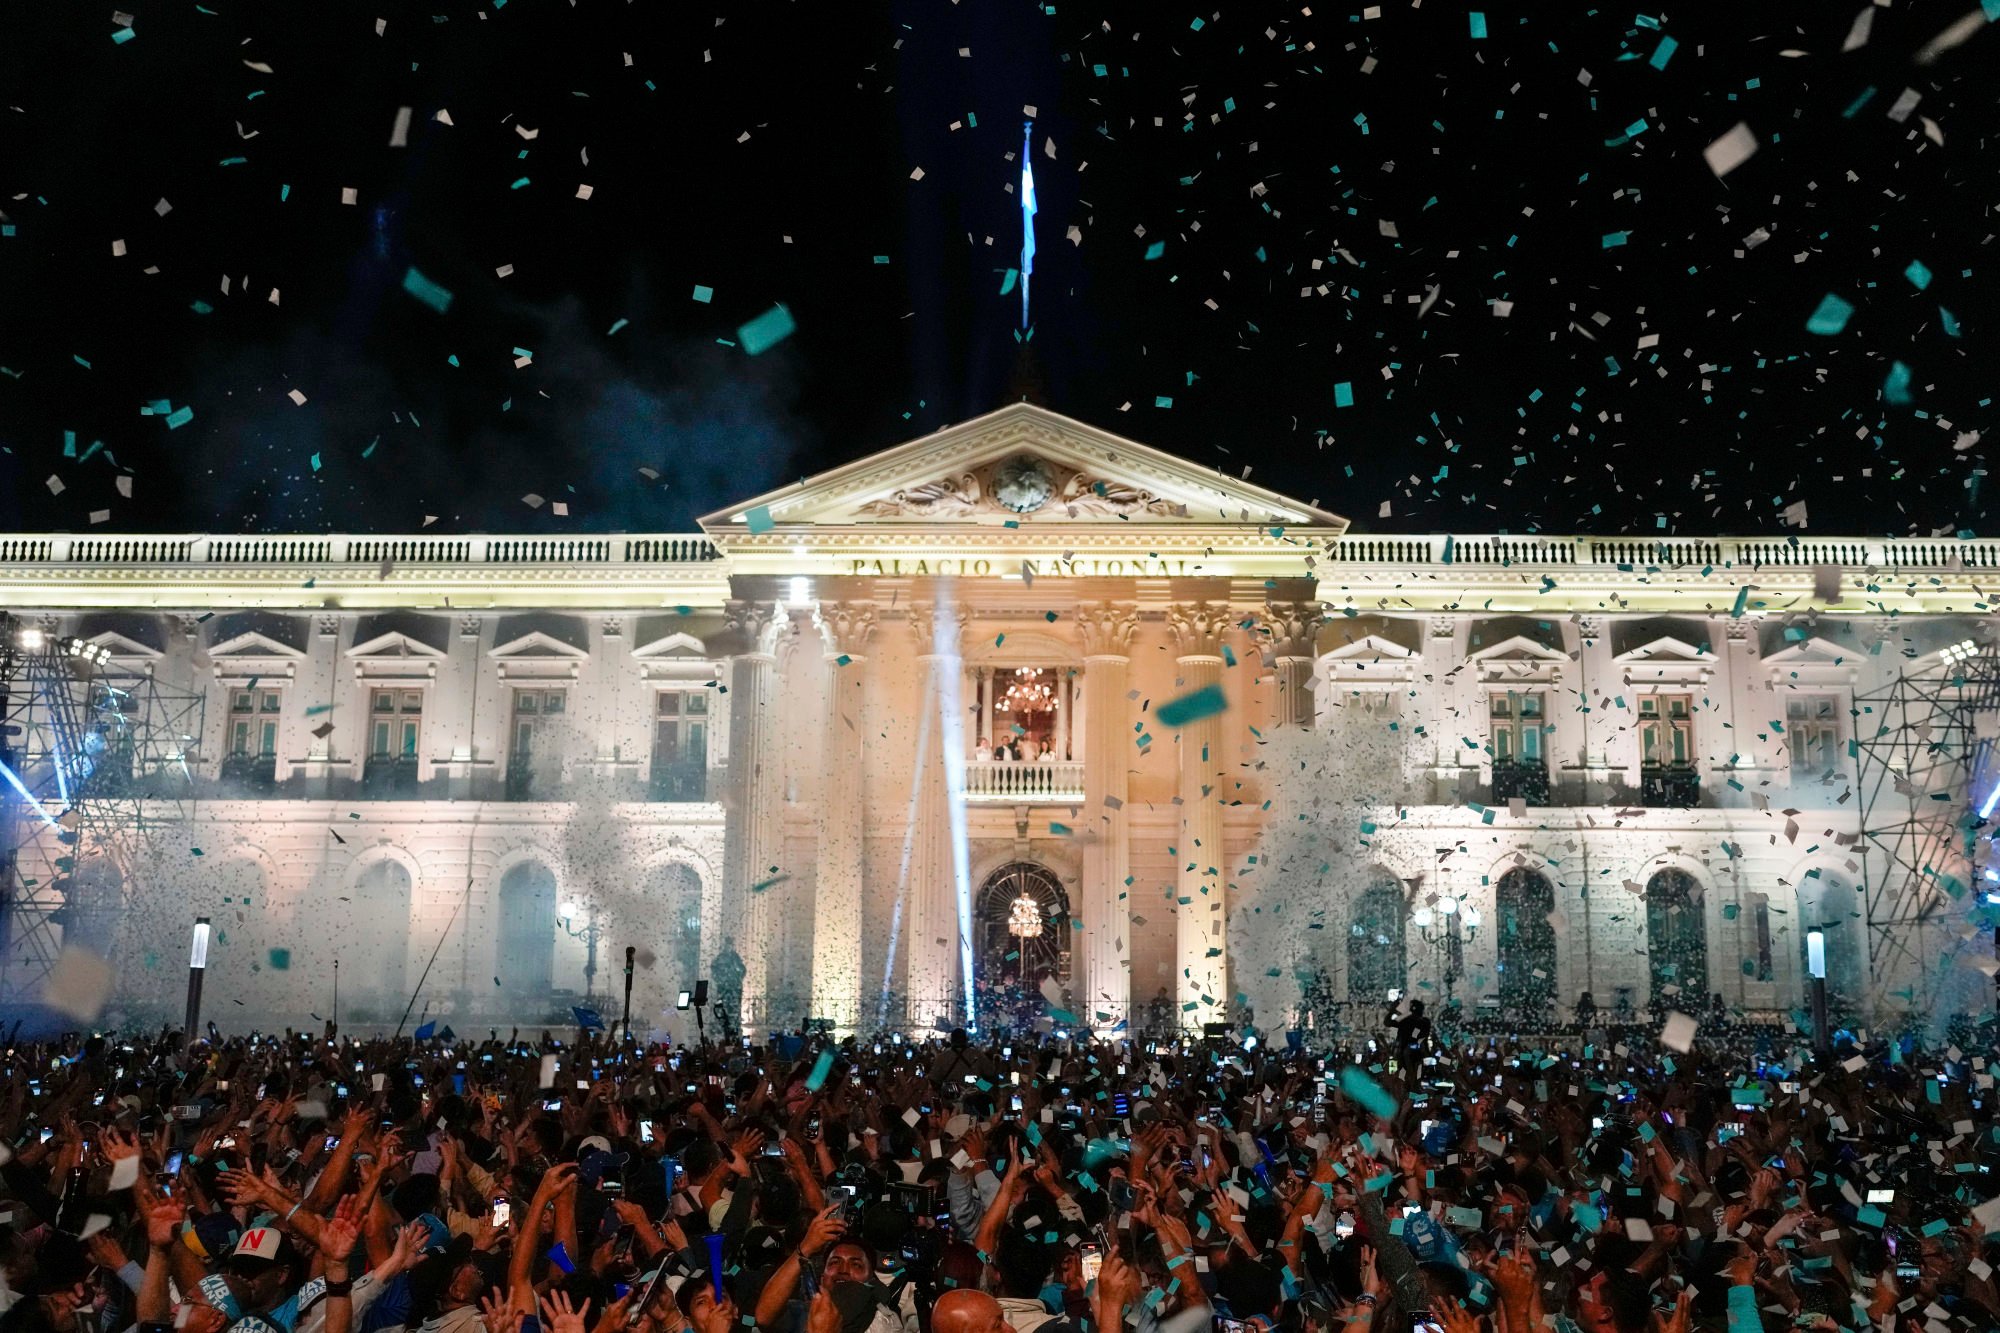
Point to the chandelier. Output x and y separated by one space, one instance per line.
1031 691
1024 917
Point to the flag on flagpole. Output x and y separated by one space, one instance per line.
1027 214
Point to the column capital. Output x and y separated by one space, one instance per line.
925 618
1199 627
1106 628
1293 626
755 627
845 628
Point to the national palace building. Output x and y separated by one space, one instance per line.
1017 709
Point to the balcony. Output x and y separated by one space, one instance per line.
681 782
1528 781
1674 787
1004 782
254 774
389 777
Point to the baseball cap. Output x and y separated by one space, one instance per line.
264 1245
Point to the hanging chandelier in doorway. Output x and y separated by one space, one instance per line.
1030 691
1024 918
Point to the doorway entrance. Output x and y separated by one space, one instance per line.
1022 936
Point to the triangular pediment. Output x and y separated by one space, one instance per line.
1368 648
394 644
118 645
253 645
1025 467
537 644
1667 651
1519 648
1811 652
677 644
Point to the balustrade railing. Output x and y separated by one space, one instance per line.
1024 780
28 549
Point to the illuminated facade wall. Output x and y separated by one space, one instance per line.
1633 775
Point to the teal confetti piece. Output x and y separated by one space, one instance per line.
766 331
821 1068
1343 394
1156 249
1949 320
703 294
1366 1092
759 519
421 287
617 326
519 184
1162 400
1614 239
1896 388
281 960
315 462
1831 317
1663 52
179 418
1477 22
1919 276
1193 706
122 36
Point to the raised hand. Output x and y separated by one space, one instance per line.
163 1221
558 1316
338 1234
499 1314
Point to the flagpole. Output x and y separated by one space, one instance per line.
1028 209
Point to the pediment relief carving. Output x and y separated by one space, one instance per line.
1023 486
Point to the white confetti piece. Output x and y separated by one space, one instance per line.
1678 1034
297 397
1730 151
399 133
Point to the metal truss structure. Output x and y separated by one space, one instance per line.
1928 780
96 770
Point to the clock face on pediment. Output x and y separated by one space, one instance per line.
1020 467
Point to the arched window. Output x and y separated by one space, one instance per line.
92 904
677 895
1376 962
1676 940
1022 922
527 930
1828 903
379 905
1527 942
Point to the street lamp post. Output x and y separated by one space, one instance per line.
197 965
1439 928
588 935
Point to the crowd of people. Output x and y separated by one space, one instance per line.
309 1183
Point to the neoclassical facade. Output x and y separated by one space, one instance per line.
1018 708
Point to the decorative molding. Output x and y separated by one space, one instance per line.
1022 486
1199 627
469 626
1443 627
924 625
1106 628
1294 627
327 626
846 628
756 626
1737 631
1590 628
190 626
612 627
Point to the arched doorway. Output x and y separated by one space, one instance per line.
527 952
1527 943
1376 962
379 908
1021 925
1676 940
677 892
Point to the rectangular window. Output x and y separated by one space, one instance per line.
680 745
1514 722
530 707
1812 734
396 720
1761 921
1666 730
1378 704
253 722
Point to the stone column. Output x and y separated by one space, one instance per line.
985 728
1201 919
1294 626
1062 714
931 938
1103 949
845 628
754 836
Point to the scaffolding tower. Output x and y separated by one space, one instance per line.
1928 788
95 772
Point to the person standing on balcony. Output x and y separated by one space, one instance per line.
983 752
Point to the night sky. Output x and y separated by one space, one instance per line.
1267 199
